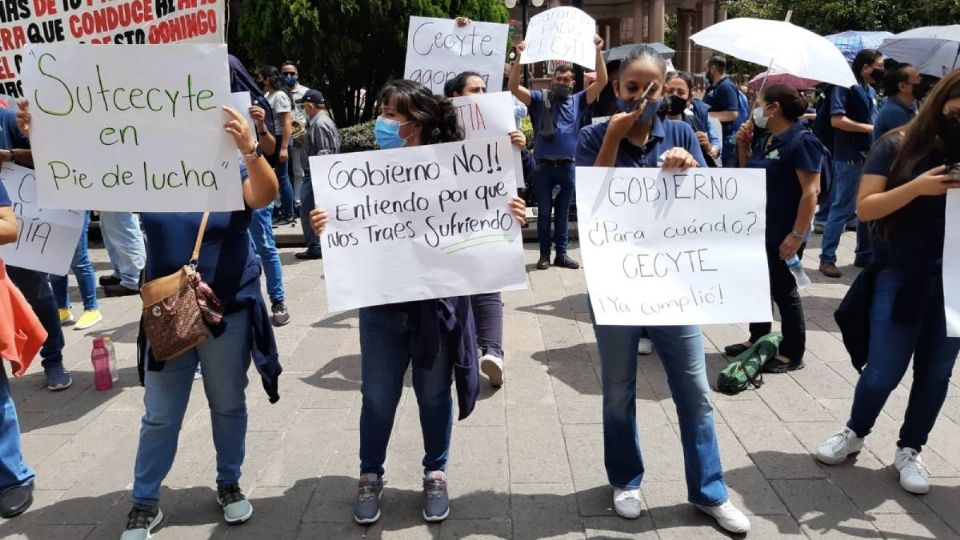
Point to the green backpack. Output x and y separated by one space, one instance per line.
747 368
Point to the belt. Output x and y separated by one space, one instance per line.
557 162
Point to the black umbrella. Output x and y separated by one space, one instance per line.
620 52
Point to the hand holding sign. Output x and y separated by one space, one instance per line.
562 33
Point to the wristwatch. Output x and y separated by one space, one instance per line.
255 154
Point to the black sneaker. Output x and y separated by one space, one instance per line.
236 508
109 280
280 316
566 262
141 521
543 263
119 290
308 255
16 500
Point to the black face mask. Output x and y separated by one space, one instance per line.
878 75
675 105
950 133
559 91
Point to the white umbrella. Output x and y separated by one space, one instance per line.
934 50
780 45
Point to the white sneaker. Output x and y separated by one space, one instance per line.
728 517
837 448
627 503
914 477
645 347
492 367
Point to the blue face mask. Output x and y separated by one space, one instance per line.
289 80
387 133
649 111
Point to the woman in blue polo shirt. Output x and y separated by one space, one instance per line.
792 156
903 191
636 137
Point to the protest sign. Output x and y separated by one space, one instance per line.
419 223
132 128
47 238
951 263
118 21
438 50
488 115
669 248
241 102
561 33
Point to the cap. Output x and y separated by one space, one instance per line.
313 96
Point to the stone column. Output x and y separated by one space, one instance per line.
640 9
657 14
707 10
684 46
721 13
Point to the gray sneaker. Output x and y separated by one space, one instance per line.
141 521
366 507
436 502
236 508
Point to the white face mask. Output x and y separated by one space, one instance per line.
759 119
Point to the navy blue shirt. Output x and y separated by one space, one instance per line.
913 234
664 135
10 135
722 97
858 103
4 196
795 149
567 115
893 114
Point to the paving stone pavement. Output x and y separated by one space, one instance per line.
527 464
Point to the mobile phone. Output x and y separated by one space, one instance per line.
643 96
953 169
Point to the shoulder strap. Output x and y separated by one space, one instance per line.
195 257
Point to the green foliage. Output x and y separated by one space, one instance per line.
358 138
347 49
526 126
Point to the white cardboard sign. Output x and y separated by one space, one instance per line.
419 223
47 238
561 33
951 263
488 115
439 49
672 248
132 128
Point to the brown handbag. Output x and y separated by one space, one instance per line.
179 308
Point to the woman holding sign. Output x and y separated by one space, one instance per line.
229 265
636 137
904 194
792 156
437 335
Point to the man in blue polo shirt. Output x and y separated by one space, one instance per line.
723 97
903 86
853 112
557 116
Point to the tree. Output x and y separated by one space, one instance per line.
348 49
832 16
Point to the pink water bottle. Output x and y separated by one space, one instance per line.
100 357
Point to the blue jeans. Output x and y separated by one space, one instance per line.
843 208
14 472
488 317
224 362
262 234
728 153
124 242
545 178
892 343
386 345
83 270
681 352
307 204
286 187
35 287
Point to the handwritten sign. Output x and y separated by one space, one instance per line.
951 263
669 248
132 128
438 50
488 115
419 223
118 21
561 33
47 238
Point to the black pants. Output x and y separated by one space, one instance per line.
784 292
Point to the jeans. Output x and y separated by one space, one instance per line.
892 343
307 204
784 291
224 362
296 169
262 234
124 242
728 154
286 188
681 352
546 176
386 344
14 472
488 314
842 209
35 287
83 269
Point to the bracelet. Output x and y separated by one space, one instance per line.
795 234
